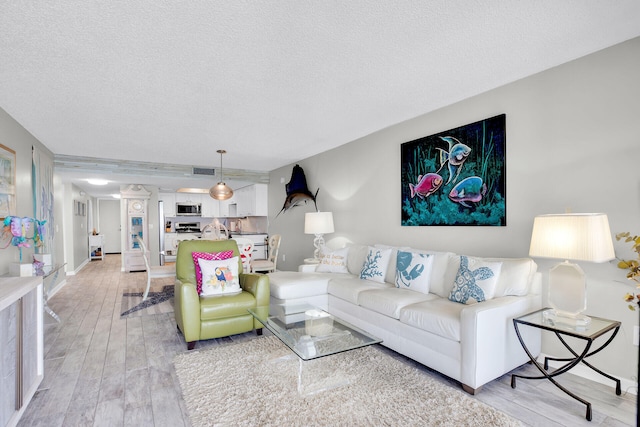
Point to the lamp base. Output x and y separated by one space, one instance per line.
576 321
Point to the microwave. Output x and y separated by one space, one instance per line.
186 208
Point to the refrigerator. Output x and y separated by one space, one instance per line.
161 228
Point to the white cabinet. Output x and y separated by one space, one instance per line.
210 206
136 202
224 206
96 247
169 203
251 200
21 345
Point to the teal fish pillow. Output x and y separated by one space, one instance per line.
475 281
413 271
376 264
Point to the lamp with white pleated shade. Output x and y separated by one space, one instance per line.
575 237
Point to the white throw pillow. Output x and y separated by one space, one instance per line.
333 262
413 271
219 277
355 260
476 280
376 264
516 275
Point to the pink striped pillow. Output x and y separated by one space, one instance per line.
218 256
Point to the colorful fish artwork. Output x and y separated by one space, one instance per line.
427 185
470 189
454 158
297 191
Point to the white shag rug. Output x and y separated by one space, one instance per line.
247 384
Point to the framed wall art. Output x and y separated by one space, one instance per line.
456 177
7 181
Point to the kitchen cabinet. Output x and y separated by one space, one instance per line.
224 207
210 206
169 203
188 198
21 345
136 204
251 200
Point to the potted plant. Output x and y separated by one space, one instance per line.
633 267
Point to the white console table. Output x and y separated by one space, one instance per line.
96 242
21 345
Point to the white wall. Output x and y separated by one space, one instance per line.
15 137
573 143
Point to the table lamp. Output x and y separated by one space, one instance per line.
577 237
318 223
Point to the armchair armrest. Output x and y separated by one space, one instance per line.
187 310
258 285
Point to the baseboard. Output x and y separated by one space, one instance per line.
627 385
77 270
55 290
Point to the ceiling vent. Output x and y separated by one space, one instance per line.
204 171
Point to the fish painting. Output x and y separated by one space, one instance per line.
455 157
297 191
471 189
427 185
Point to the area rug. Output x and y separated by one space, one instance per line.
159 300
247 384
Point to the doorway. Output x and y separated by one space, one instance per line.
109 225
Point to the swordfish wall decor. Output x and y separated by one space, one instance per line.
456 177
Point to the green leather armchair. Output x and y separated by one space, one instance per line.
214 317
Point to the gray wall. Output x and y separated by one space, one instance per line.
573 143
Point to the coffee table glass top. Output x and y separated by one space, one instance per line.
311 332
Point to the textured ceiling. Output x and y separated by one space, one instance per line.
270 82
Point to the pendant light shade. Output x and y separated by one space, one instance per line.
221 191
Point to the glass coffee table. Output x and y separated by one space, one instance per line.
312 333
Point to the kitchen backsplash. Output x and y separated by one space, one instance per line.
250 224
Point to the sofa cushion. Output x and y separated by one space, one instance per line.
476 280
438 316
210 256
333 261
293 284
376 264
349 287
516 276
390 301
234 305
413 271
440 283
219 277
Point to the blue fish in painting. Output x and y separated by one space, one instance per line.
455 157
470 189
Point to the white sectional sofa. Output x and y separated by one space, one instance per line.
471 343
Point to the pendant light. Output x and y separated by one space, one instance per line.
221 191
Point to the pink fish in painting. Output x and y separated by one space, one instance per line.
427 185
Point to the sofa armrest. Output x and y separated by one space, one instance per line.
489 344
258 285
187 310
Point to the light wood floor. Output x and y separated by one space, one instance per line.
102 370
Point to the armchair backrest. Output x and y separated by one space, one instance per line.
185 268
